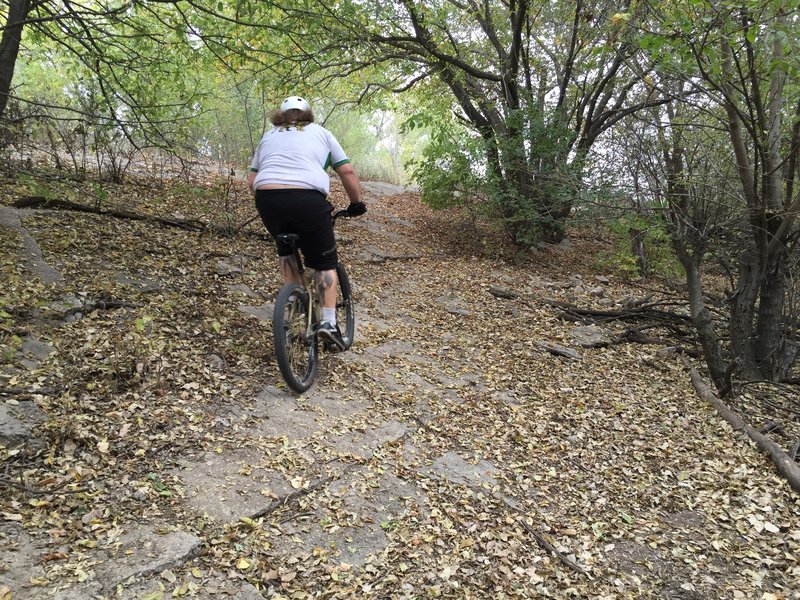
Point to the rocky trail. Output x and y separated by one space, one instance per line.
150 449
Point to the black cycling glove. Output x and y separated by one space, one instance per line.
356 209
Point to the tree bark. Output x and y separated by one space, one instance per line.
702 320
9 47
637 249
770 326
743 301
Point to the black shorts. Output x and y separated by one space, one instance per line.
306 213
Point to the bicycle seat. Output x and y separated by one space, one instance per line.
288 237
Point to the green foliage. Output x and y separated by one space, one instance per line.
526 191
620 259
448 171
371 141
9 350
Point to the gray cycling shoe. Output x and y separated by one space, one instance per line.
330 333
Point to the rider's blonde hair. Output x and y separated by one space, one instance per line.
291 117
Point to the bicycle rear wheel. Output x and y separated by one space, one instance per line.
295 345
345 312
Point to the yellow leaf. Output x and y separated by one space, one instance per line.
102 446
197 573
243 564
5 593
248 521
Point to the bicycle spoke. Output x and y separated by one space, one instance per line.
294 350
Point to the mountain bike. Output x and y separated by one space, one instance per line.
296 318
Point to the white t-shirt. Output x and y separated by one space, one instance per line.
297 157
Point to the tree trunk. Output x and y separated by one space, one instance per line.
9 47
743 301
770 326
637 249
702 319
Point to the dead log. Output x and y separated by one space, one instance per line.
784 464
40 201
570 312
637 336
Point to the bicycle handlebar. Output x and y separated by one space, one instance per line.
340 213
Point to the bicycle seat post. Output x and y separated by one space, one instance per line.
291 239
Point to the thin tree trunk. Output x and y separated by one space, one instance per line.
701 318
637 249
9 47
743 301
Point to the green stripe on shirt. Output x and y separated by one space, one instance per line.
337 165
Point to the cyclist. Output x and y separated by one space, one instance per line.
289 179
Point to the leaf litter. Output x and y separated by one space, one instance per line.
510 472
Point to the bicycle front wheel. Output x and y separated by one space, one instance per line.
295 342
345 312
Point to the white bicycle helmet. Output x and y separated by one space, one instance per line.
294 102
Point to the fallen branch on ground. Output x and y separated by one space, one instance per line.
570 312
40 201
32 491
552 549
637 336
784 464
185 224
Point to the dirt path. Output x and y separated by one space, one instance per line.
446 455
